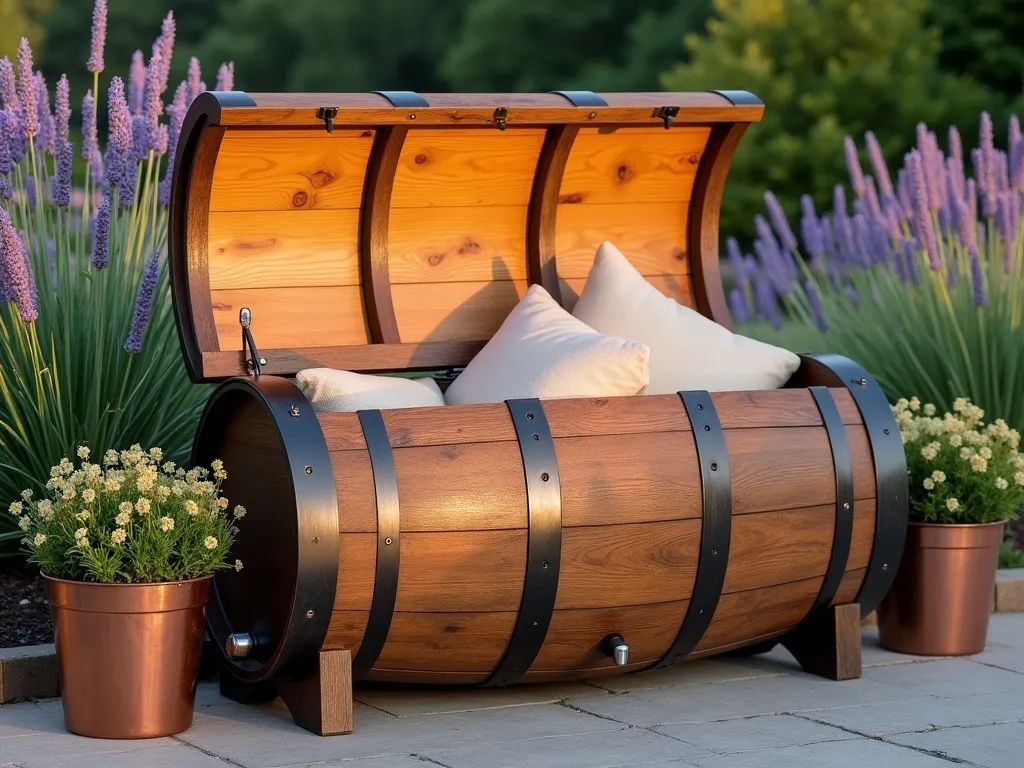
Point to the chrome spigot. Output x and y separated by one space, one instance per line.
239 644
617 648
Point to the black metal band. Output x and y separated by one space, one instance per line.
544 547
385 584
843 465
892 487
316 506
716 529
582 98
741 98
404 98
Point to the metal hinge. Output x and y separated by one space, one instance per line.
253 361
668 114
327 114
501 118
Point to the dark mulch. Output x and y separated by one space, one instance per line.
24 610
1017 530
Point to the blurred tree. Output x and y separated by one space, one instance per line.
824 68
982 39
22 18
538 45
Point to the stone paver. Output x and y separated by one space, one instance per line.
761 712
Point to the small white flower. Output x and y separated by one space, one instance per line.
217 465
166 524
163 493
123 518
24 522
952 504
210 542
112 484
928 483
1018 478
88 495
83 543
81 533
83 452
956 441
26 494
118 536
979 464
192 508
238 565
83 515
156 454
239 512
39 539
110 458
143 506
1001 483
915 404
168 467
69 493
985 452
16 508
125 508
222 503
45 506
939 476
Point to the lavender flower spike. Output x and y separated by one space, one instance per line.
47 125
99 37
814 300
18 270
6 157
779 222
878 164
194 80
101 236
226 77
27 89
136 83
853 166
63 111
90 142
153 106
924 227
987 171
8 90
977 281
143 305
60 187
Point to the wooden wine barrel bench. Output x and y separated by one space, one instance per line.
511 542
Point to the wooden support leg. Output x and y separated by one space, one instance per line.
829 645
242 691
322 702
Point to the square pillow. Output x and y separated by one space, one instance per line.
330 391
688 350
543 351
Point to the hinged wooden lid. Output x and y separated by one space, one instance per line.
395 231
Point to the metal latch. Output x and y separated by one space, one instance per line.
327 114
501 118
253 361
668 114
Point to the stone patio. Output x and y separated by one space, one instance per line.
905 712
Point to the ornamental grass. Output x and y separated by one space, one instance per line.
88 352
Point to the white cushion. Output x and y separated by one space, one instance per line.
688 351
543 351
329 390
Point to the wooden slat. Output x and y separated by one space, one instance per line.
473 167
439 572
756 612
292 317
457 244
849 587
454 311
651 235
357 501
863 540
282 249
635 165
676 287
771 548
541 247
619 564
259 172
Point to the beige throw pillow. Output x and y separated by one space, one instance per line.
330 391
688 351
543 351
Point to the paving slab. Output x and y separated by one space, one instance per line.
698 672
991 746
411 702
754 734
861 753
946 677
147 755
1010 659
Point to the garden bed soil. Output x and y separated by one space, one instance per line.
24 609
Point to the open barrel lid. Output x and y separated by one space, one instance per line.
395 231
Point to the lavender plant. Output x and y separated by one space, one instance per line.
922 282
88 354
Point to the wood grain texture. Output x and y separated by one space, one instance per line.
770 548
436 312
204 168
541 238
705 209
322 702
284 249
676 287
261 172
849 587
468 168
828 645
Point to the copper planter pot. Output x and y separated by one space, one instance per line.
128 655
941 599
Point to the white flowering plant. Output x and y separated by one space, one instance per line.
961 470
134 518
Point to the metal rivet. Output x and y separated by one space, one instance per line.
263 361
700 407
529 416
293 411
885 566
896 498
714 551
388 541
707 427
514 669
592 115
714 466
862 382
309 614
545 477
846 505
536 436
412 116
309 470
885 431
701 611
544 564
535 623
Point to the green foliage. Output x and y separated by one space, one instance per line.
134 521
21 18
1010 556
825 69
960 470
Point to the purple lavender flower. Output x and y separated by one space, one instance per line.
226 77
810 230
1007 222
27 89
18 270
143 305
924 227
814 300
843 227
853 166
891 217
736 262
101 236
30 190
121 168
96 172
153 107
1016 142
136 83
767 304
956 149
160 147
165 45
881 170
871 195
99 37
6 156
828 235
773 264
60 187
140 138
977 281
90 142
987 170
904 195
1002 171
7 290
194 80
966 226
779 220
63 110
8 90
738 306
